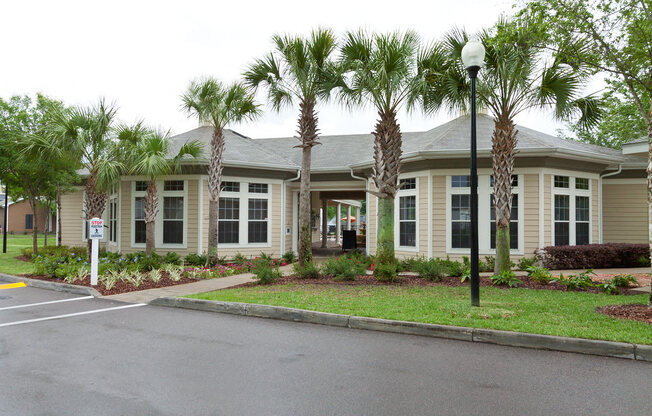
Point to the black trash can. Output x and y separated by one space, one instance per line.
348 240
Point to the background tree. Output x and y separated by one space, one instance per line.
517 77
299 70
211 101
389 72
31 173
151 153
609 36
87 134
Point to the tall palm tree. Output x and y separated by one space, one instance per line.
211 101
390 71
299 70
517 77
86 134
151 153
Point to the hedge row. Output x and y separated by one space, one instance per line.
596 256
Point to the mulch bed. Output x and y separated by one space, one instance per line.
121 287
409 281
635 312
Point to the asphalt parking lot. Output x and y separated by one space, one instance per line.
72 354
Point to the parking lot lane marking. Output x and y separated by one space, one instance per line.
68 315
45 303
12 285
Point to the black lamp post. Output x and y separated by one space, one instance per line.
473 58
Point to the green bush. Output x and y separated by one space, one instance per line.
574 282
466 274
78 251
343 268
453 267
539 274
609 287
265 271
65 270
489 264
172 258
433 269
386 272
48 265
197 260
410 264
307 271
289 257
505 278
526 262
624 280
152 261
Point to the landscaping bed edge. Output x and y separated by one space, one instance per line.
59 287
489 336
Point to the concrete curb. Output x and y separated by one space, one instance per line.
59 287
489 336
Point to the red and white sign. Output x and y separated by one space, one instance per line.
96 228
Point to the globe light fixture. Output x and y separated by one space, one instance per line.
473 59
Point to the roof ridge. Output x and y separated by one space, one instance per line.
261 147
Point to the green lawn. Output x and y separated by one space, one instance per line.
8 262
549 312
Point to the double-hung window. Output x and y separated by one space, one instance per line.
244 213
170 221
460 211
173 212
572 210
513 221
139 233
113 219
407 213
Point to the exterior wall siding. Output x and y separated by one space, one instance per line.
530 216
547 210
71 218
624 212
439 216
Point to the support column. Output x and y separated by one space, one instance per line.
348 217
324 223
338 223
357 220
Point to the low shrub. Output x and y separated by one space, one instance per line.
539 274
289 257
466 275
48 265
172 258
150 262
525 263
609 287
506 278
198 260
343 268
308 271
596 256
489 264
386 272
433 269
266 271
574 282
240 259
624 280
453 267
410 264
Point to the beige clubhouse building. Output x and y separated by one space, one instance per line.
565 192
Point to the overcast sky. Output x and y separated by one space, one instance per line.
142 54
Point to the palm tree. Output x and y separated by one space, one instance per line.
390 72
211 101
150 153
517 77
299 70
86 134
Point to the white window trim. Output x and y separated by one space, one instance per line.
406 192
572 192
158 221
484 217
113 198
243 222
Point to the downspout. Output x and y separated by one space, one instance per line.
620 169
284 209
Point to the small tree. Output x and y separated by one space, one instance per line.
211 101
151 153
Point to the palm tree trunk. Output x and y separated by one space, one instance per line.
503 150
214 183
387 159
308 134
95 203
151 209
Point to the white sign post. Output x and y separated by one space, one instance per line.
95 233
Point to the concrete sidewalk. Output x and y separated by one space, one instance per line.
145 296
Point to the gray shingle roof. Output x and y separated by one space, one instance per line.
340 152
239 150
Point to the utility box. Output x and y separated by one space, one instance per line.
348 240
